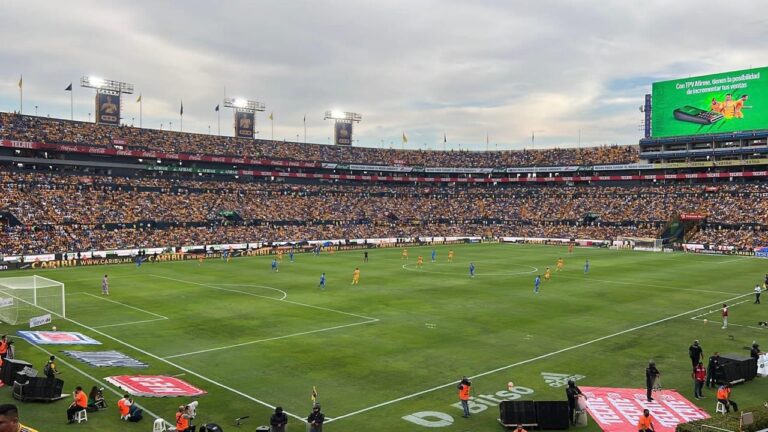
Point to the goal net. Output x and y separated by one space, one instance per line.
22 298
639 243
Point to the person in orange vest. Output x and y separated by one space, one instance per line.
182 420
79 404
520 428
645 423
465 385
724 397
3 348
124 406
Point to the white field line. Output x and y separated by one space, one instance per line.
181 368
647 285
130 323
368 320
733 260
407 267
718 309
269 339
124 305
285 295
96 380
533 359
97 281
269 298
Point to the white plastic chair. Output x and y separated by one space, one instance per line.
720 408
158 425
81 416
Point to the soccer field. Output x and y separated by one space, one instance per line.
397 343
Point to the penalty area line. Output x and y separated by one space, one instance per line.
533 359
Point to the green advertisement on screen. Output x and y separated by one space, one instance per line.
726 102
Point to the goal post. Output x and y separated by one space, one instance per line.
639 243
25 297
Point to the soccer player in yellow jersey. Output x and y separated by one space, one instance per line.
405 254
450 256
419 261
547 274
560 264
280 255
356 276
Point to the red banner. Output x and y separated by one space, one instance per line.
298 164
619 409
154 386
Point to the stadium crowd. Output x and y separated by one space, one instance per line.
57 131
67 213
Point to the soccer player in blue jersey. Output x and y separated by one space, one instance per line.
434 255
586 266
471 269
290 255
274 265
536 283
322 281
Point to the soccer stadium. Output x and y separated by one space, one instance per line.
178 256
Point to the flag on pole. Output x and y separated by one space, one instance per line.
69 87
21 81
305 119
216 109
271 115
405 138
314 394
181 110
138 99
445 138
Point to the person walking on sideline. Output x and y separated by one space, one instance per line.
465 386
725 315
105 285
758 290
651 376
695 353
699 376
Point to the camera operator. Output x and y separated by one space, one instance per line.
465 385
182 420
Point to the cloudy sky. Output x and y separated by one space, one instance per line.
432 68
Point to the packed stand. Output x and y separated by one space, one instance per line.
57 131
65 213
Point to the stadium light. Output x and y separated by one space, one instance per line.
106 86
244 105
343 116
343 123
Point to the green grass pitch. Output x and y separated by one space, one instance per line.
397 343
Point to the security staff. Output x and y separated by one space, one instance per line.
651 375
572 392
695 353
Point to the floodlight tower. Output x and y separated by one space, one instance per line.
108 97
342 128
245 115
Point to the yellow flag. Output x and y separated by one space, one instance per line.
314 394
21 78
405 138
271 116
138 99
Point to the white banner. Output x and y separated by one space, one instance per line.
40 320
